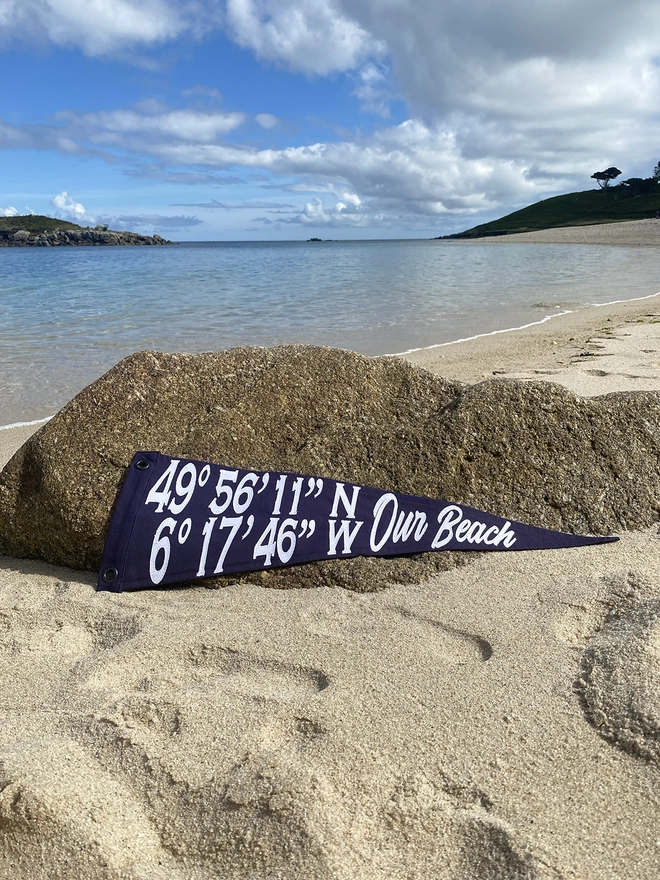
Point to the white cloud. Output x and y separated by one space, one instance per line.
466 167
98 27
309 35
349 213
152 221
512 100
266 120
373 91
186 125
449 55
556 85
251 204
8 212
411 167
511 60
73 211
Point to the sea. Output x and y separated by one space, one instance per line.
69 314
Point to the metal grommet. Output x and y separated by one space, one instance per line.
110 575
142 464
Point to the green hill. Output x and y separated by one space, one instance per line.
34 223
627 201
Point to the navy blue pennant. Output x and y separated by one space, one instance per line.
176 519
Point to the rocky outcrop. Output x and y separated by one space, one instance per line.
533 452
77 238
315 410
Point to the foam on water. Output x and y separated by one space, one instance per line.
25 424
482 335
522 326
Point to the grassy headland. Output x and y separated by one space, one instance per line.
34 223
36 230
630 200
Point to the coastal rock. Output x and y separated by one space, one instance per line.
534 452
77 237
314 410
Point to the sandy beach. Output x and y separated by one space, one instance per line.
634 233
498 722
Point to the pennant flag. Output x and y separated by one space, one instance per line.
177 519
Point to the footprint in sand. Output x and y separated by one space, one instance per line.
40 652
578 621
253 811
210 666
249 778
619 683
77 632
451 644
53 798
148 706
257 676
452 826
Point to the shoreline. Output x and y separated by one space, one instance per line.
552 349
459 296
464 348
561 328
522 326
25 424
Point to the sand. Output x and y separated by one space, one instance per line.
498 721
634 233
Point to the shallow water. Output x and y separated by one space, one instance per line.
68 314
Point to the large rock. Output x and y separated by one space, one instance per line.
315 410
530 451
536 452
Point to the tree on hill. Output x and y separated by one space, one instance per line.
604 177
638 186
656 172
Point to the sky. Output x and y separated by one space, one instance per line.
235 120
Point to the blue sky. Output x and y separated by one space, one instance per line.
287 119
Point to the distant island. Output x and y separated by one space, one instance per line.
35 230
634 199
